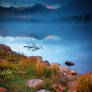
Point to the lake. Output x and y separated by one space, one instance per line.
58 41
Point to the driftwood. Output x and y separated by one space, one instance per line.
34 47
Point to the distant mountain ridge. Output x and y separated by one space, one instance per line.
37 8
71 9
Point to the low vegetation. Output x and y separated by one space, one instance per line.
16 70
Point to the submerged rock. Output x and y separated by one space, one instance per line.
69 63
43 90
34 83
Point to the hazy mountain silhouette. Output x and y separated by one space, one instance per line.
72 9
37 8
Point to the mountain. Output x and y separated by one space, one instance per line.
37 8
7 10
77 8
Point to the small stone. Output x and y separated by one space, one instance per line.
43 90
73 72
34 83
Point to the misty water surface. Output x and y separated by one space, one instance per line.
60 41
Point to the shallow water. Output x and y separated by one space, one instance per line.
60 41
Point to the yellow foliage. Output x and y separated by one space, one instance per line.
23 63
4 64
85 83
38 69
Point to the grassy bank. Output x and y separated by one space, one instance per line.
16 70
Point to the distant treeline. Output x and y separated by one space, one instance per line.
81 18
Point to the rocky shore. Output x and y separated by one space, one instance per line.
19 73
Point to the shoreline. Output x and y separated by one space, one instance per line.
71 67
20 73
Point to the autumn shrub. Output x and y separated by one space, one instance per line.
4 64
30 72
38 69
2 54
47 84
66 89
11 58
44 71
6 75
47 73
23 63
16 84
85 83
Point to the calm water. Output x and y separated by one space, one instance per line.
59 41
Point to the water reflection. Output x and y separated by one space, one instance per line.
60 41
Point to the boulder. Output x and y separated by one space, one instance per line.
58 66
3 89
70 71
73 72
62 68
4 47
72 85
55 65
43 90
46 63
34 83
69 63
34 59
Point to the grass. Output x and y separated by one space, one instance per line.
16 69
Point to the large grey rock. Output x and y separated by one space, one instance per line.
43 90
34 83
